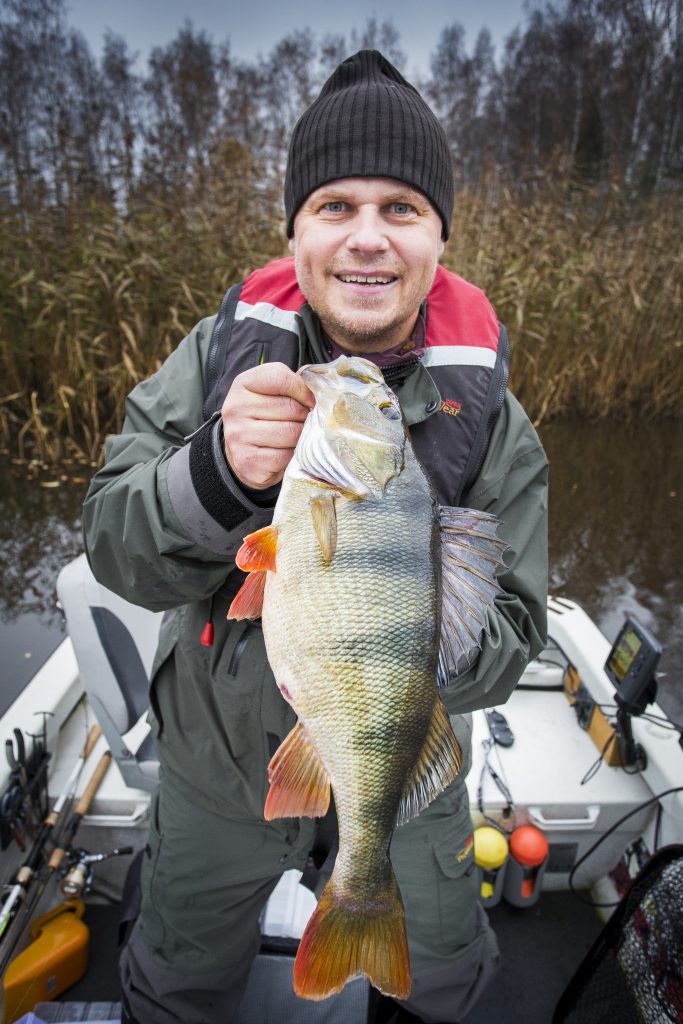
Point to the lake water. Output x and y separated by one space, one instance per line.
616 543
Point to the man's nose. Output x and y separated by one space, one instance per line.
367 233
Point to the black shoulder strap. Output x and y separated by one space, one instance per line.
219 344
492 407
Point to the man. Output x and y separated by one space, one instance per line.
368 198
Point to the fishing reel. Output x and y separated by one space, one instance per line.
78 874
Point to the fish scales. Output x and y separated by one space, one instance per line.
352 608
350 627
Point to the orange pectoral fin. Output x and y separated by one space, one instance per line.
299 784
248 602
258 550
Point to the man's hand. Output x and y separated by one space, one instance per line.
263 414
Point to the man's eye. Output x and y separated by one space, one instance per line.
337 207
402 208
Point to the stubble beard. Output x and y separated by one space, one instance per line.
355 330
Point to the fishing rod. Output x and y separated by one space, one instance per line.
24 801
81 809
58 853
27 871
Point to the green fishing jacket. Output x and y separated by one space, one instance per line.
216 711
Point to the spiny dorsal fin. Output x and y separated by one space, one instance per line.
299 784
258 550
324 518
471 556
248 602
437 766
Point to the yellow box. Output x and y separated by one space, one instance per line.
56 959
598 728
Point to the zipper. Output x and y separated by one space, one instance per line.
219 340
399 372
238 650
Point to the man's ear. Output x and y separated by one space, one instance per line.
292 244
442 246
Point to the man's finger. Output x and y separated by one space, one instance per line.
272 407
276 379
262 467
263 433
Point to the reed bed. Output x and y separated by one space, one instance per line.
91 301
590 286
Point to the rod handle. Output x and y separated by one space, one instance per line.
94 784
92 739
56 858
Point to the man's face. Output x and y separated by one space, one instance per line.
366 251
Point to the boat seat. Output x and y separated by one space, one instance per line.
114 642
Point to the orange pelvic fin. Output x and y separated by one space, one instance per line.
258 550
437 766
299 784
324 518
342 940
248 602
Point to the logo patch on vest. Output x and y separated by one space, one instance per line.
466 850
451 407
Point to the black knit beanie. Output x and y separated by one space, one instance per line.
369 122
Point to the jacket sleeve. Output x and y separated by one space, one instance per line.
164 518
513 486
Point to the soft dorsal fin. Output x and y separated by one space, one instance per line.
248 602
324 518
471 556
258 550
436 767
299 783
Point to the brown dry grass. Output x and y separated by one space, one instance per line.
589 285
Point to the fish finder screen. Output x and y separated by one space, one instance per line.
623 654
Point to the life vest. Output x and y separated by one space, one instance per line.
466 355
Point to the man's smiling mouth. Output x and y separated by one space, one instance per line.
365 278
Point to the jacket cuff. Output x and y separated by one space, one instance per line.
205 497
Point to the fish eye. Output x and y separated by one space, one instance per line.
389 410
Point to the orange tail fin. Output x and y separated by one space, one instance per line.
342 940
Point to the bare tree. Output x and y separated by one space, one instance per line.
182 89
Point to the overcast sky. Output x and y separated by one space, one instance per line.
254 27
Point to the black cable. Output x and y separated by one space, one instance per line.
544 688
662 723
649 716
547 687
488 746
592 771
658 823
625 817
